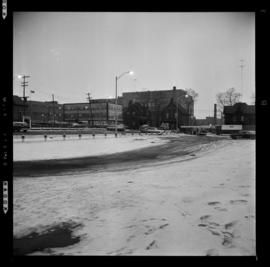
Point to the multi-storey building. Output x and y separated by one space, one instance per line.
167 108
241 114
19 108
99 112
45 112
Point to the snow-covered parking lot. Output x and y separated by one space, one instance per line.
35 148
201 206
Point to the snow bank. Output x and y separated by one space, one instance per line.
35 148
205 206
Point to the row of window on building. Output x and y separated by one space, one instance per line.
156 108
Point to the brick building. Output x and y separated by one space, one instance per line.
45 112
167 108
19 108
100 112
240 114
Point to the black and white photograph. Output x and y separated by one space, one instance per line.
134 134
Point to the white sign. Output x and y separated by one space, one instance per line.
231 127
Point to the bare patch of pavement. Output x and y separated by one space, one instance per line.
176 147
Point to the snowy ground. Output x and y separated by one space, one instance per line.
35 148
196 207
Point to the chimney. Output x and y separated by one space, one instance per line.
174 88
215 114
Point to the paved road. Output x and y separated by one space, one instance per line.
176 147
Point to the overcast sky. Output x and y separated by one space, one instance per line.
71 54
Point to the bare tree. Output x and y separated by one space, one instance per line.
228 98
193 94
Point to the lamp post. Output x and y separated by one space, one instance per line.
177 106
116 80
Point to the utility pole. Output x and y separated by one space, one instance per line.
24 84
90 109
116 115
53 110
31 92
242 67
215 114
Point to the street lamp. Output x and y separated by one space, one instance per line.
177 105
116 80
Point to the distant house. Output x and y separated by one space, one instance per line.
19 108
240 114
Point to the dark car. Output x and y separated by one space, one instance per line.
202 132
20 126
244 135
148 129
120 128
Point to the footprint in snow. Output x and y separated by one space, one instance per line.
162 226
152 244
220 209
238 201
205 217
230 225
245 195
244 186
130 238
213 203
227 242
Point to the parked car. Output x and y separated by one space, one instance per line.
143 128
244 135
147 129
155 130
203 133
19 126
120 127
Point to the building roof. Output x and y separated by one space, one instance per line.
155 92
94 101
242 107
17 101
